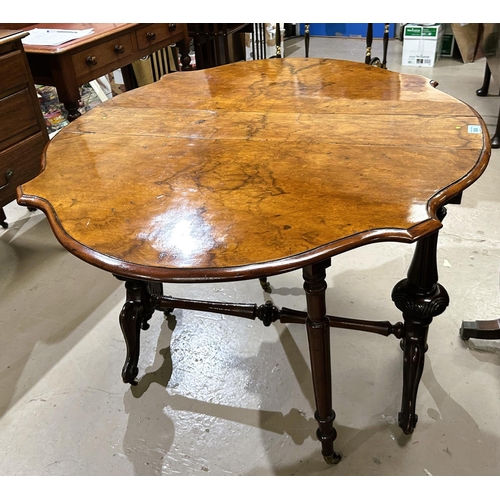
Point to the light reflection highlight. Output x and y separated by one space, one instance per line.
181 237
417 213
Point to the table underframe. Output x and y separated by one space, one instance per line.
419 297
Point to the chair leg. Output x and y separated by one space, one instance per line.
483 91
495 140
306 39
369 41
386 45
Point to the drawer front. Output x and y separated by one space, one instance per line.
155 33
100 56
12 71
19 164
17 117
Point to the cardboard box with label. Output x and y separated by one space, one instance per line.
422 44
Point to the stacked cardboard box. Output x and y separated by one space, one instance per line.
422 44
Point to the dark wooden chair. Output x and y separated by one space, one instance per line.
212 42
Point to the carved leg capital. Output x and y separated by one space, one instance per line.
420 305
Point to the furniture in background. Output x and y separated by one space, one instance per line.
369 59
375 61
111 46
487 329
235 183
490 41
218 43
23 133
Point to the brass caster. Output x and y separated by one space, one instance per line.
333 459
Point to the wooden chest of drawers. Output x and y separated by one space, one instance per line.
23 133
108 47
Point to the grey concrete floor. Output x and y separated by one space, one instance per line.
225 396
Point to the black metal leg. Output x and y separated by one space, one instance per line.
369 41
386 45
306 38
278 41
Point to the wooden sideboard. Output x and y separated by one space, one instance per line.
23 133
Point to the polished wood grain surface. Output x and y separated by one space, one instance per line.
256 168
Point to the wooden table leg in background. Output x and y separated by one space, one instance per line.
485 329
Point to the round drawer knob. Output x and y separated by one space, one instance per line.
172 27
151 35
91 60
119 49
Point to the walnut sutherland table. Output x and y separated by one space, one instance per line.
258 168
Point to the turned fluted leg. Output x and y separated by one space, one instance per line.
420 298
135 314
318 334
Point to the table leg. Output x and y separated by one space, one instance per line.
185 57
135 314
420 297
318 334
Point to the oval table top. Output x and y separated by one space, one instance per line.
256 168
